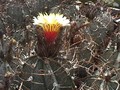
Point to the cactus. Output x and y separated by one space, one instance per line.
59 45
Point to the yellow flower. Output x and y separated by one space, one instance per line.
51 24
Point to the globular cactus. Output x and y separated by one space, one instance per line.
39 52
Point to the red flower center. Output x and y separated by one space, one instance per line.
50 36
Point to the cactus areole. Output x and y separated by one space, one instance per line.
51 24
